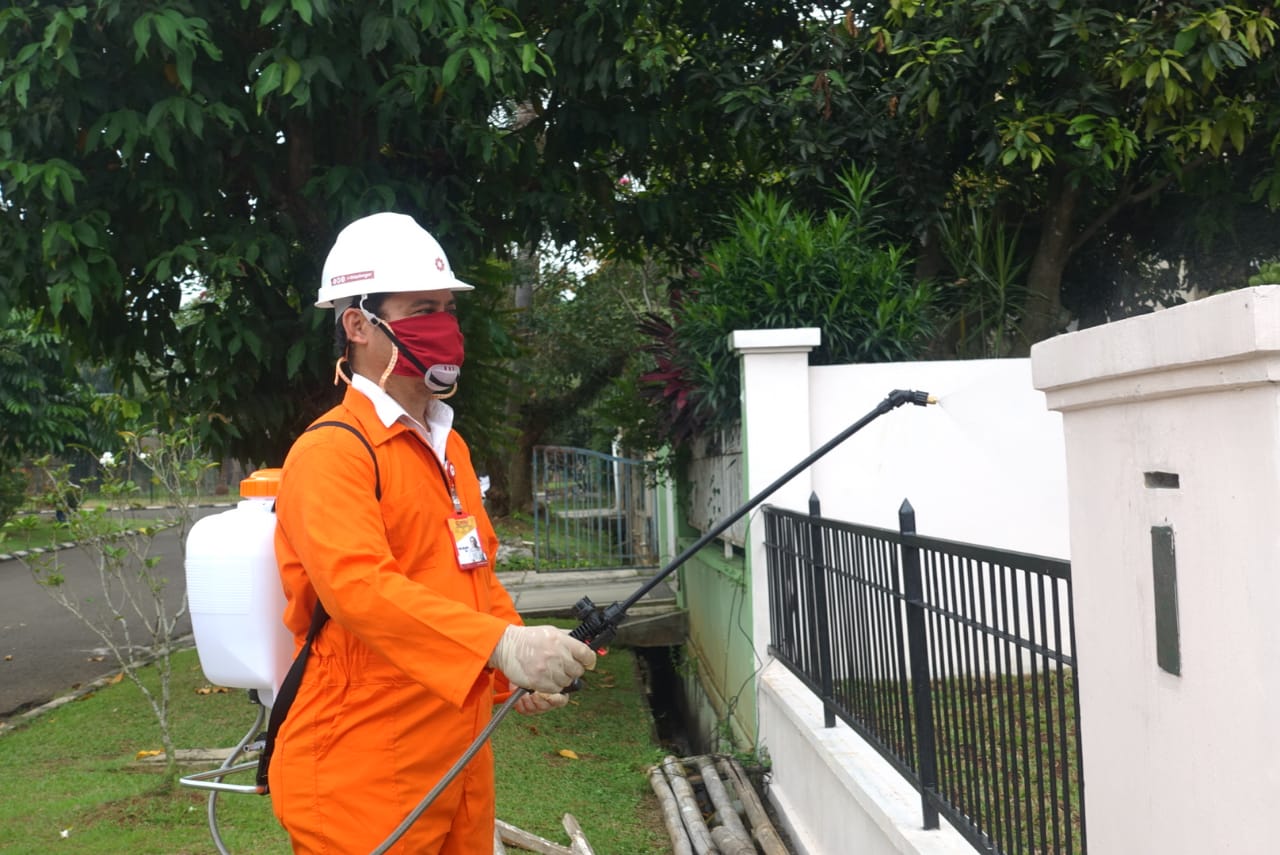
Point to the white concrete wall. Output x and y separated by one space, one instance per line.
1176 764
834 792
985 465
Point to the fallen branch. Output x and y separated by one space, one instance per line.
761 827
727 813
528 841
690 813
670 813
578 844
731 844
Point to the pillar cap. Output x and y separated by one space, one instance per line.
800 340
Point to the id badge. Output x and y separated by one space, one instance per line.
466 541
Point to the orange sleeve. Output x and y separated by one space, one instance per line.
330 520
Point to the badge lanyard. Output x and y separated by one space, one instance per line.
462 527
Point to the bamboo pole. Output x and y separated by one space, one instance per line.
699 834
578 844
725 810
761 827
529 841
731 844
680 844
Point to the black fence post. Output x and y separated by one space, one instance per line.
913 589
821 619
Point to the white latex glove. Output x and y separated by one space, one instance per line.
541 658
535 703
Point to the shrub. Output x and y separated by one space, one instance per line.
780 268
13 489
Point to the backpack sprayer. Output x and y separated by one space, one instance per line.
226 654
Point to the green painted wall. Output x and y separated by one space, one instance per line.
718 665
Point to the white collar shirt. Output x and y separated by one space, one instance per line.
439 414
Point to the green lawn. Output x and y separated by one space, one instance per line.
44 531
74 770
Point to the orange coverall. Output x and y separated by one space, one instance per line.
398 684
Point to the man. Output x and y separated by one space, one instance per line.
422 635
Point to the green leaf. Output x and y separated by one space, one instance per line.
267 82
450 71
1153 73
292 74
293 360
142 33
21 86
303 8
271 12
85 234
186 57
167 31
481 62
253 341
83 298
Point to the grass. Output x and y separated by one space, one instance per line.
30 532
74 769
1004 745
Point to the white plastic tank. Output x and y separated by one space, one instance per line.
233 588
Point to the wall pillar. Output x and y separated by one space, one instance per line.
1171 424
775 437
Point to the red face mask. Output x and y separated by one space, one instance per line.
432 340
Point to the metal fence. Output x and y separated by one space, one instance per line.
955 661
592 510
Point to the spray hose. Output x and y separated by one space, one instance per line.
597 626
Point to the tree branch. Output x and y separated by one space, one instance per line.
1126 199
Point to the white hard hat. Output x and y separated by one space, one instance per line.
384 253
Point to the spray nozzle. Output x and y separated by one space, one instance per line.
898 397
597 629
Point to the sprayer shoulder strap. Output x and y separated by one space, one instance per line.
319 617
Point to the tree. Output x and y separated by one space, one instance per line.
591 319
150 152
1056 116
129 602
43 406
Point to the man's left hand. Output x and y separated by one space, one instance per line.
534 703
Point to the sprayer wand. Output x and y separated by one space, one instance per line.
599 626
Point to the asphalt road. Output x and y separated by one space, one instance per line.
47 652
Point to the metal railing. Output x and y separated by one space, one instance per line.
955 661
592 510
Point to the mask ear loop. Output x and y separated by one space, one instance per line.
395 350
382 381
339 375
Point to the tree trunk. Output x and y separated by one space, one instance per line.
1043 315
517 492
